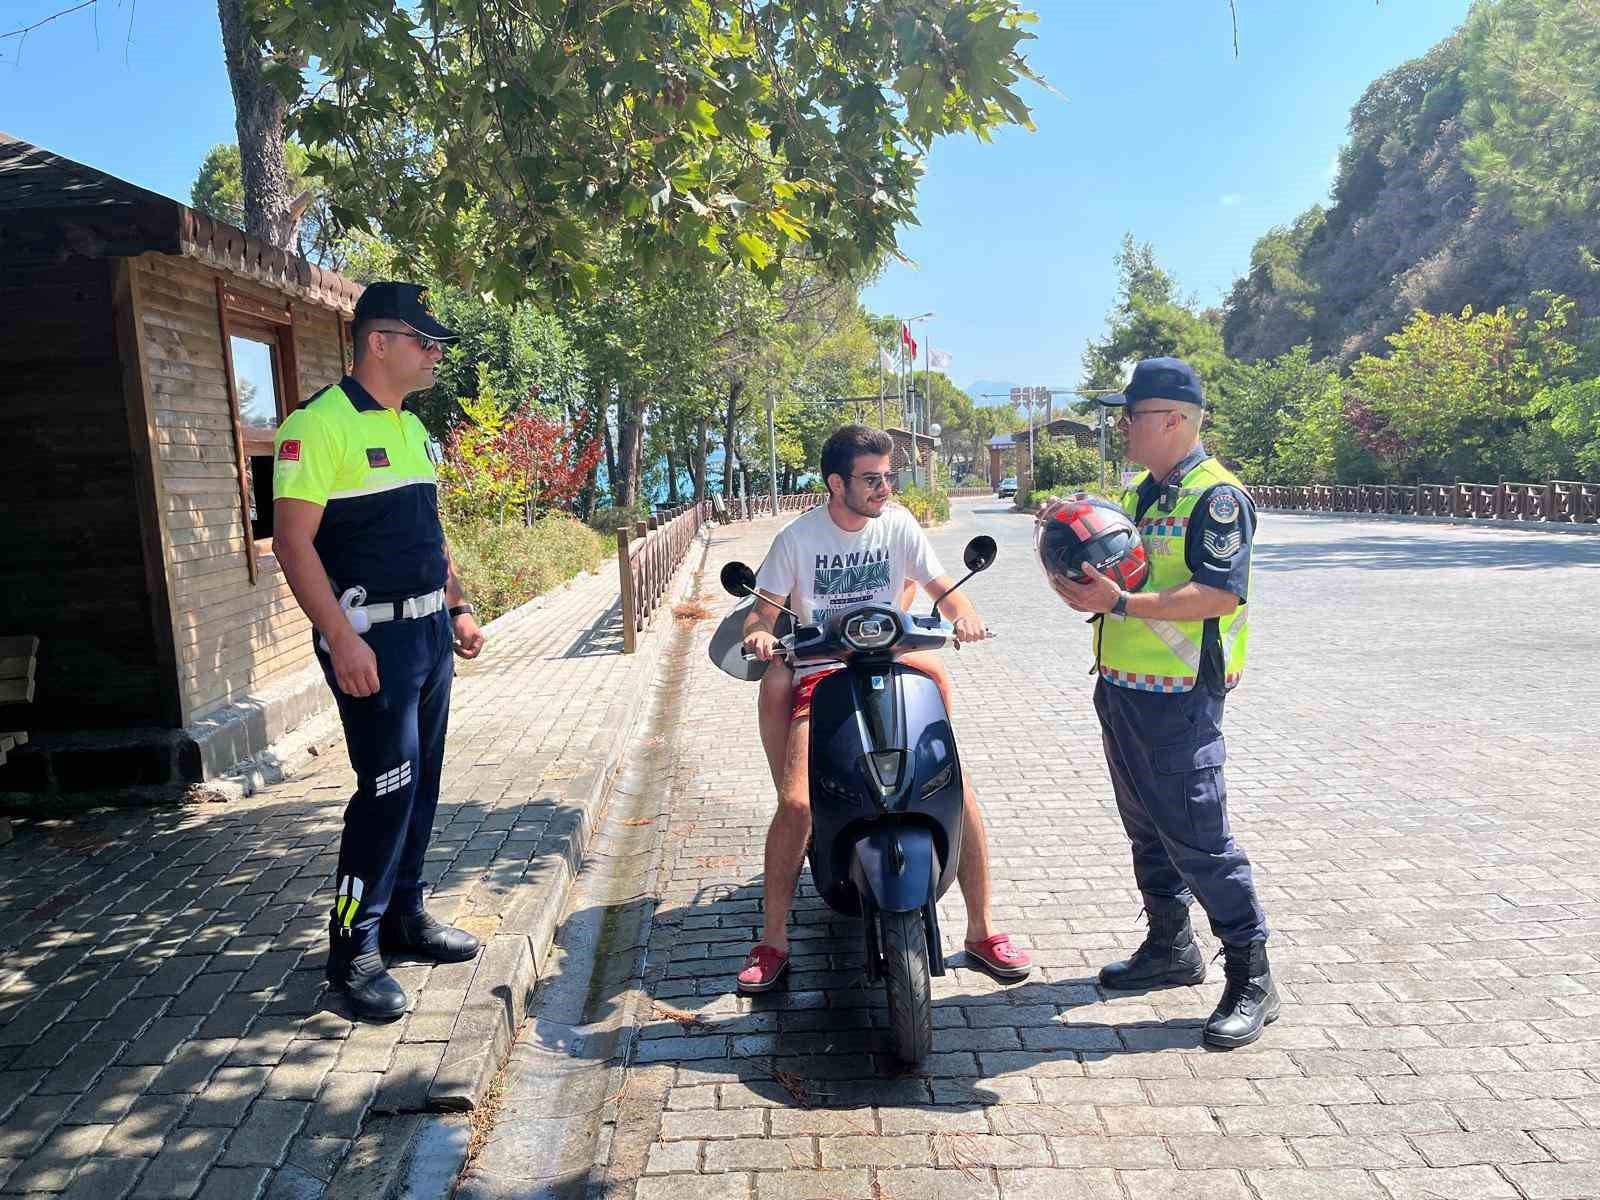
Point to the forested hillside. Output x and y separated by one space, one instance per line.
1410 226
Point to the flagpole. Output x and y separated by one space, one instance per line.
881 421
901 358
927 382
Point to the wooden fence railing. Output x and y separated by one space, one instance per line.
1557 500
650 552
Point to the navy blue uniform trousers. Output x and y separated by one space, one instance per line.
1165 752
396 744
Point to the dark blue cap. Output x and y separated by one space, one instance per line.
404 302
1160 379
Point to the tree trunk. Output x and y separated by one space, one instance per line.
611 451
729 436
591 493
672 470
701 437
271 212
630 440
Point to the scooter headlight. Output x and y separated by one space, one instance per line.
870 631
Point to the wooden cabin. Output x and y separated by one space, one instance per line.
147 355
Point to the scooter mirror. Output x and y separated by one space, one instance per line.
738 579
980 553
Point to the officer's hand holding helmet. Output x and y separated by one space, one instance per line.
1084 531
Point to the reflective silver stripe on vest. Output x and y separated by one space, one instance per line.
1177 641
1235 631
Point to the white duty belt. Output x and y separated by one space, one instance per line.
363 616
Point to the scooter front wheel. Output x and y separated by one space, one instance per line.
906 981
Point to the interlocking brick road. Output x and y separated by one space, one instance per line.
1412 772
163 1031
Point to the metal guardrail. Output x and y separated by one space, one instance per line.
1558 500
650 552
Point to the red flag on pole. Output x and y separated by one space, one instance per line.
907 340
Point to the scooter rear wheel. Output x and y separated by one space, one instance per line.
906 982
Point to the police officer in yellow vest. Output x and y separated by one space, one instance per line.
1167 657
356 530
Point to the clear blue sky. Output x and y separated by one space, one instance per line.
1158 130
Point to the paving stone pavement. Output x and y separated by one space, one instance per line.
163 1031
1411 771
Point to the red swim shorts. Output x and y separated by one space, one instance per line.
800 702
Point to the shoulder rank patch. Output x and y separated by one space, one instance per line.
1224 508
1223 546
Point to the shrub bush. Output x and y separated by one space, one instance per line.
504 566
1063 466
928 507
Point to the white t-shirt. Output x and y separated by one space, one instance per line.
822 568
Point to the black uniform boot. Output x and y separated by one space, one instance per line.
1168 957
426 937
367 985
1250 1001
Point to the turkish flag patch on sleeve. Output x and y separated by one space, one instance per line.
289 451
377 456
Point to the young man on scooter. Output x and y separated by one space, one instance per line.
851 551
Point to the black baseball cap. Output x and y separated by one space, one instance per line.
1160 379
404 302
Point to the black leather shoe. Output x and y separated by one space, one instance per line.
422 936
1250 1001
367 985
1168 957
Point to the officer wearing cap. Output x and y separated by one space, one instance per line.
1167 657
356 530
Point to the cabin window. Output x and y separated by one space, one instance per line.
257 381
262 381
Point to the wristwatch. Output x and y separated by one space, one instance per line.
1120 608
463 608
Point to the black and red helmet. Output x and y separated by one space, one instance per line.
1090 529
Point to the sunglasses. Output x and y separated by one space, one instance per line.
874 480
1128 418
428 344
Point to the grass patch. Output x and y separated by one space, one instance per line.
503 566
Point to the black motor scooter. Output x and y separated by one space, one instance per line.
886 790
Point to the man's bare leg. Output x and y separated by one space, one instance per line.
972 872
773 707
786 840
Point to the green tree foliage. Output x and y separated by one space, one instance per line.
1530 68
1275 304
1463 397
1061 465
1150 321
1317 444
524 352
1260 404
692 131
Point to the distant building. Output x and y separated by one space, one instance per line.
1008 452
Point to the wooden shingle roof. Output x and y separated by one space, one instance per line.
54 207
